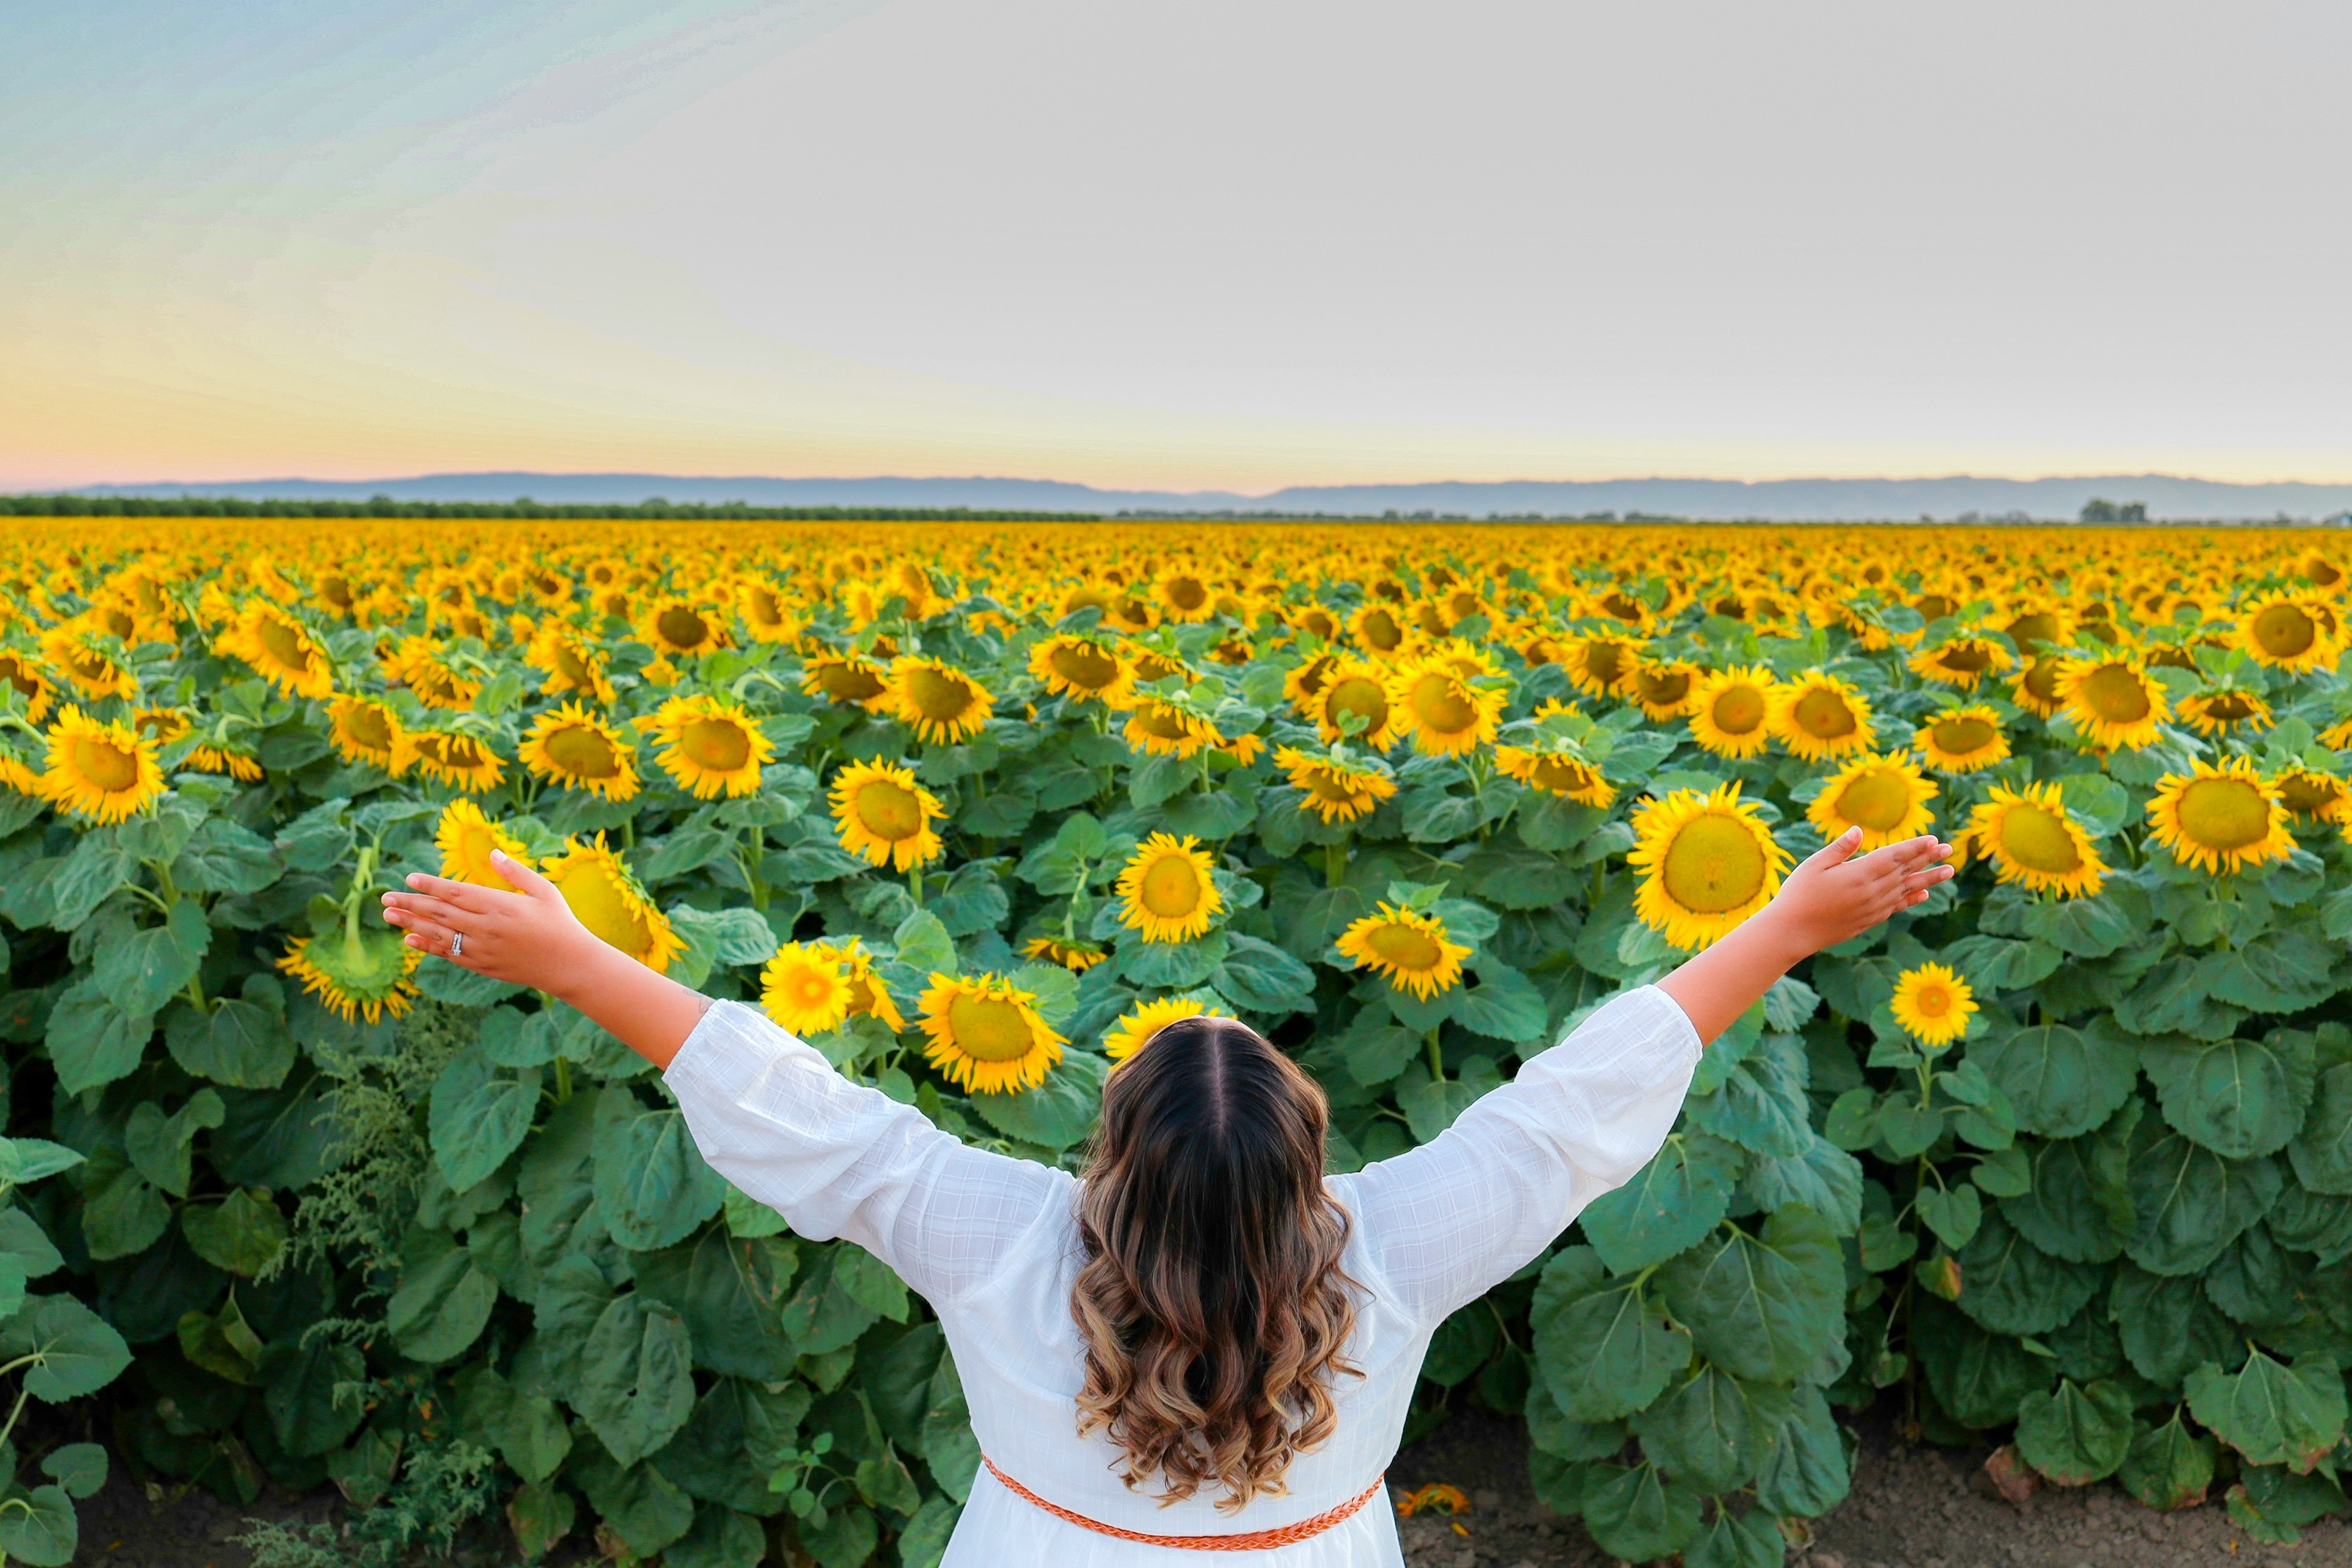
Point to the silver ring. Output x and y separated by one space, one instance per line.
457 944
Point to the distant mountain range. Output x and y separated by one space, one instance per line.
2061 499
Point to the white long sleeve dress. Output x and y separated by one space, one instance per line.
991 1243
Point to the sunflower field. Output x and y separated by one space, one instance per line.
2061 1161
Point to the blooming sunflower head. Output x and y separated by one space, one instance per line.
1408 946
1730 711
1817 717
568 663
1962 740
1663 690
1335 790
2034 627
23 676
883 814
2220 711
466 837
366 730
710 747
2222 819
2311 796
1378 629
1166 890
75 647
1562 773
1316 622
609 903
1076 956
2035 689
281 649
1708 861
1603 666
939 702
1082 668
766 614
1438 707
452 758
573 747
1885 797
1933 1004
676 626
1961 661
1183 594
1136 1027
2286 632
2033 839
105 772
986 1035
1163 729
2112 700
1355 688
805 989
852 680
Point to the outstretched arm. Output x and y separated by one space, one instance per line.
533 938
1831 897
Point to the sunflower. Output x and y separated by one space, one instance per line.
1409 947
2034 840
446 756
2314 797
1082 669
579 750
883 814
356 974
1163 729
421 664
1962 740
2114 702
15 776
1960 661
1665 690
675 626
1353 686
2221 819
1316 621
986 1036
25 677
1136 1027
1730 710
868 996
2219 712
1604 665
805 989
2283 631
106 772
608 901
711 748
939 702
1556 773
466 836
1442 711
2035 627
1884 796
1077 957
850 679
1182 595
1933 1004
568 663
1817 717
281 649
1709 862
1378 629
766 613
366 730
1305 682
1334 790
73 647
1169 893
238 765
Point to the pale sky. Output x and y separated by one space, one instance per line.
1231 243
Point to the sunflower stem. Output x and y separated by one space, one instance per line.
1436 1059
1335 862
562 1079
915 884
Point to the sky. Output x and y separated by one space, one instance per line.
1231 244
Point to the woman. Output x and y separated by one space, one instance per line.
1204 1343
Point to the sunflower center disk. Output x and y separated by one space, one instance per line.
1187 593
937 695
1382 631
2038 840
1666 690
582 753
2225 813
371 728
1878 800
1960 736
1714 864
1171 889
601 904
682 628
2036 626
849 683
2116 694
1967 658
1605 662
1408 947
1440 707
1360 696
1561 775
990 1030
1931 1001
1740 710
1825 715
1085 666
889 810
111 768
284 643
717 744
2284 631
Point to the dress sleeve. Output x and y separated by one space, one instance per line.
836 1159
1449 1221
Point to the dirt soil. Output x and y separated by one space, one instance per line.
1911 1508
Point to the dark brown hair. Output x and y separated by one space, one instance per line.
1211 1299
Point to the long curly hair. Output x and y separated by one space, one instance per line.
1211 1299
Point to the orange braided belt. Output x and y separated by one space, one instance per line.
1249 1541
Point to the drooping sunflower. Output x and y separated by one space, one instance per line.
15 775
466 836
106 772
1708 861
1136 1027
1162 729
1961 661
573 747
608 901
868 996
1559 773
2219 712
1663 690
74 648
883 814
2114 702
366 730
569 663
1885 797
710 747
1442 711
986 1034
449 757
421 664
281 649
1603 666
1359 688
1817 717
356 974
1962 740
1306 681
676 626
939 702
1077 957
1730 710
1334 790
805 989
1410 947
766 614
2283 631
2034 840
1933 1004
239 765
2221 819
1082 669
2314 797
22 673
851 679
2035 689
1169 894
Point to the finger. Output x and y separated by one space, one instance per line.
1837 852
432 909
525 879
461 894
